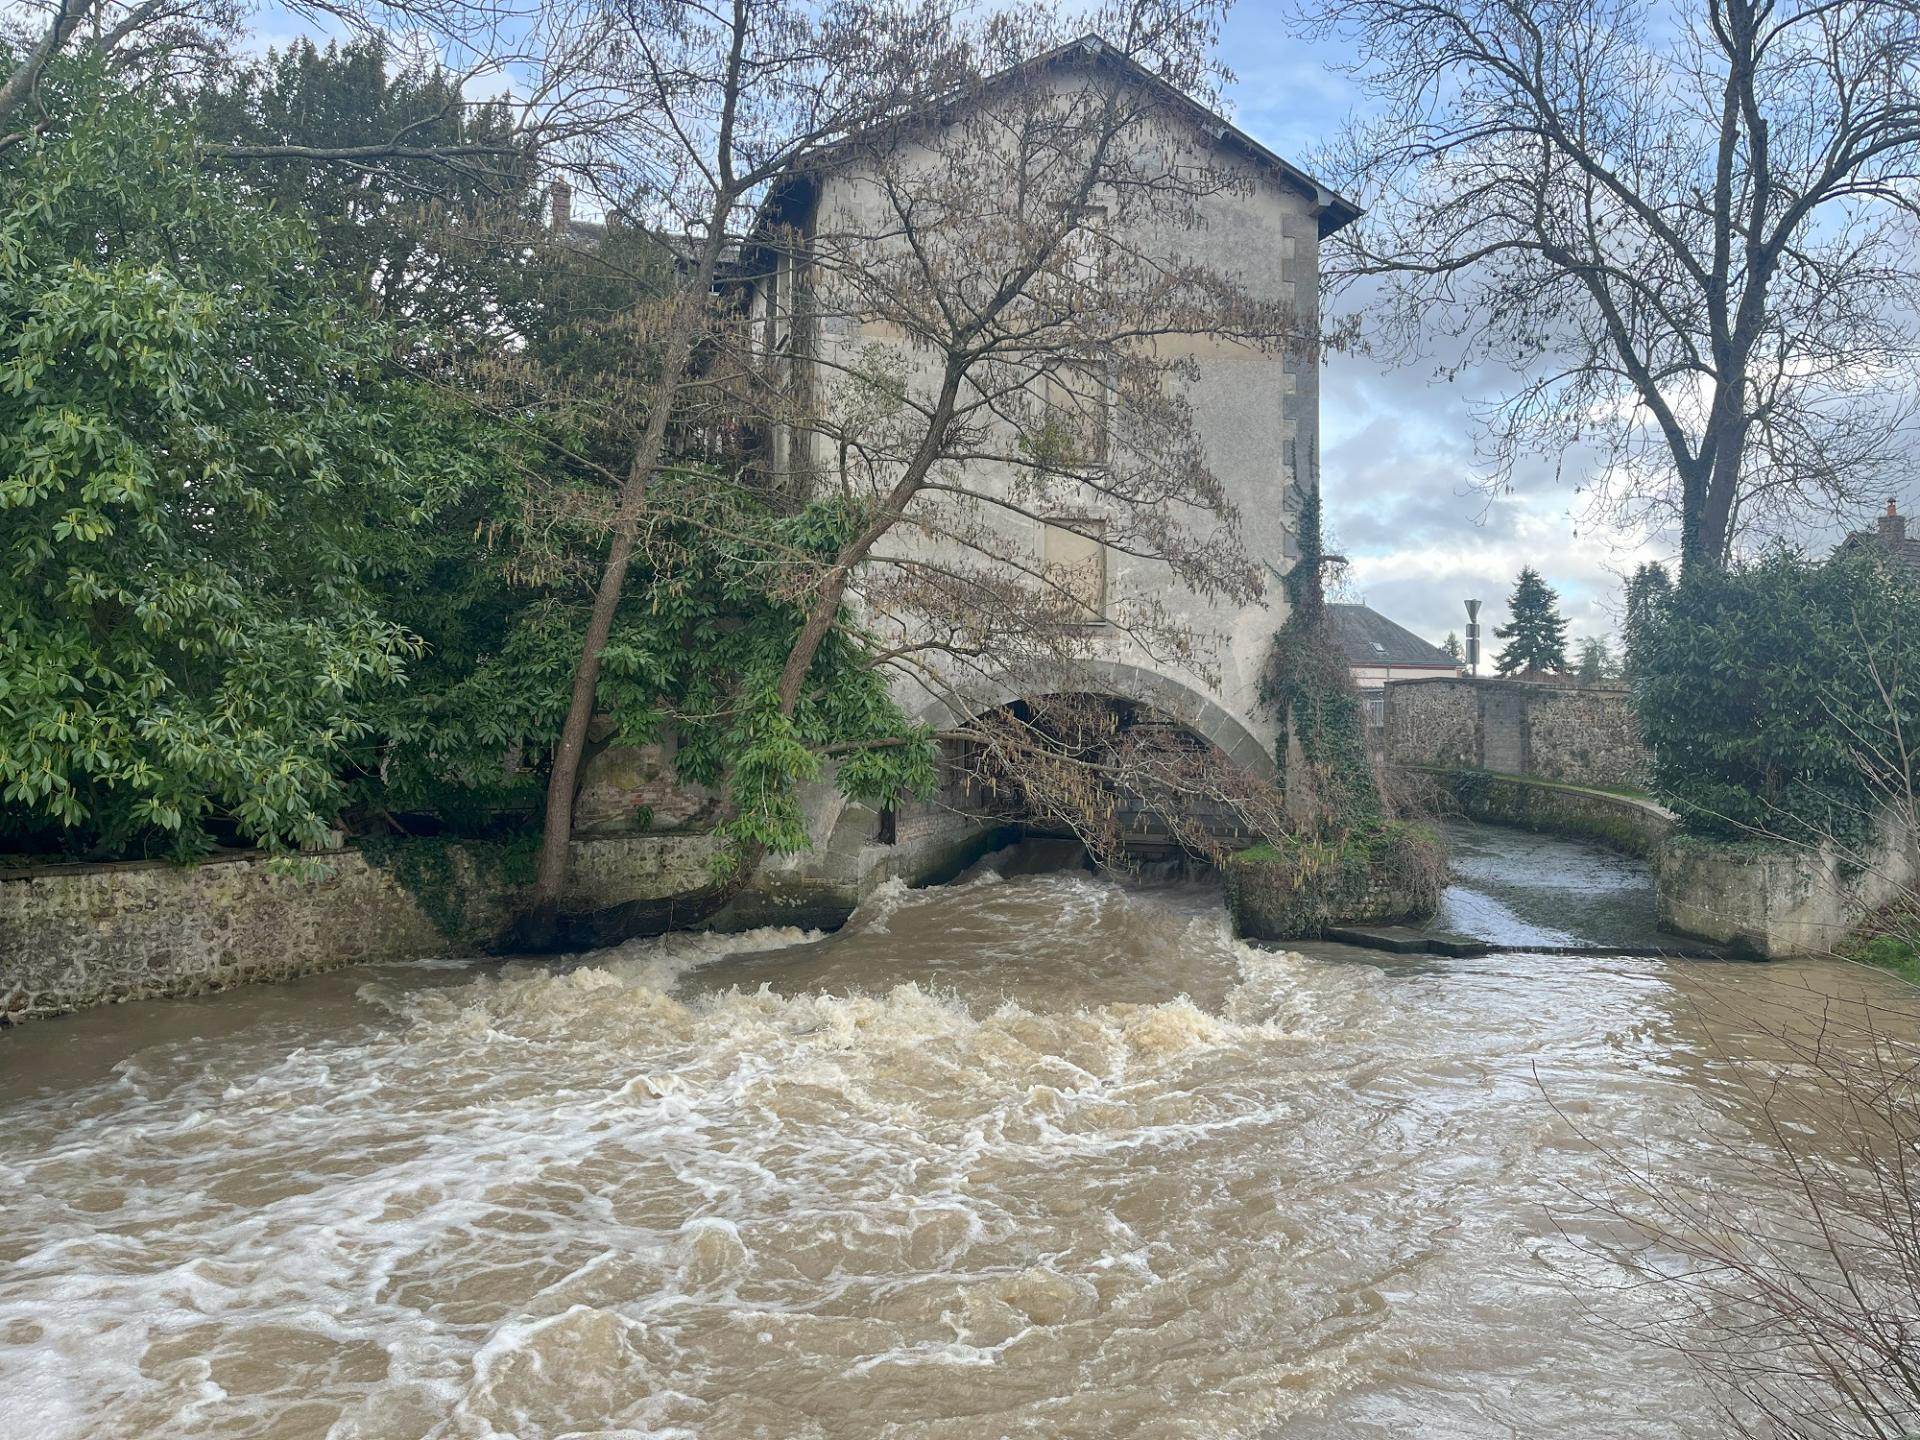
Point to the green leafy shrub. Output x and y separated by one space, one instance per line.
200 450
1769 693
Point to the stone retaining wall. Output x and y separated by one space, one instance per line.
1568 733
1777 901
79 935
1621 822
72 936
1292 892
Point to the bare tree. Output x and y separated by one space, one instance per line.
1689 229
688 111
1785 1262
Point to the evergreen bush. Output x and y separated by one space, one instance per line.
1774 695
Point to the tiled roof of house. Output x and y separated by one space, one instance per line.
1334 211
1890 534
1369 638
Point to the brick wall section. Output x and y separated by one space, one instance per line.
625 785
1551 732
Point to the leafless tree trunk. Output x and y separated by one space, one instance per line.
1691 232
690 111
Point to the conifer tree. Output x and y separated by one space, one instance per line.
1536 631
1647 593
1596 661
1452 646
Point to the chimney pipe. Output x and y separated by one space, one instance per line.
561 197
1893 526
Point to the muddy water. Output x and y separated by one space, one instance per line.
1037 1155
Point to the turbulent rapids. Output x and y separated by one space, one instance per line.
1042 1155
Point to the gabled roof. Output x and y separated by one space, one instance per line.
1366 637
1332 211
1335 213
1889 535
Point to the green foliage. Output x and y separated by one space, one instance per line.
1596 661
1309 687
697 647
258 576
1535 632
1648 590
421 242
445 876
1770 693
199 452
1452 646
1888 952
724 658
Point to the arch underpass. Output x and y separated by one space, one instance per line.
1142 757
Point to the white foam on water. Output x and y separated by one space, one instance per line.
585 1199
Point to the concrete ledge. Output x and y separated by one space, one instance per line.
1777 901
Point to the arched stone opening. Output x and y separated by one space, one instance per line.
1164 729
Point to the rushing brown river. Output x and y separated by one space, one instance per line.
1038 1154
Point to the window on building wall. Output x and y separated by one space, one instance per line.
770 314
1077 394
1086 243
1074 559
1078 413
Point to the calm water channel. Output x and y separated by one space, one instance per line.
1040 1154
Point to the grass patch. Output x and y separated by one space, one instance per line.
1888 941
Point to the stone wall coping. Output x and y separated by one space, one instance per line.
1639 802
1514 683
58 869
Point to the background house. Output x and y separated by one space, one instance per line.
1890 533
1378 650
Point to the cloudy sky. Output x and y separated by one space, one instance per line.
1397 446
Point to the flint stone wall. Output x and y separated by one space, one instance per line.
1568 733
